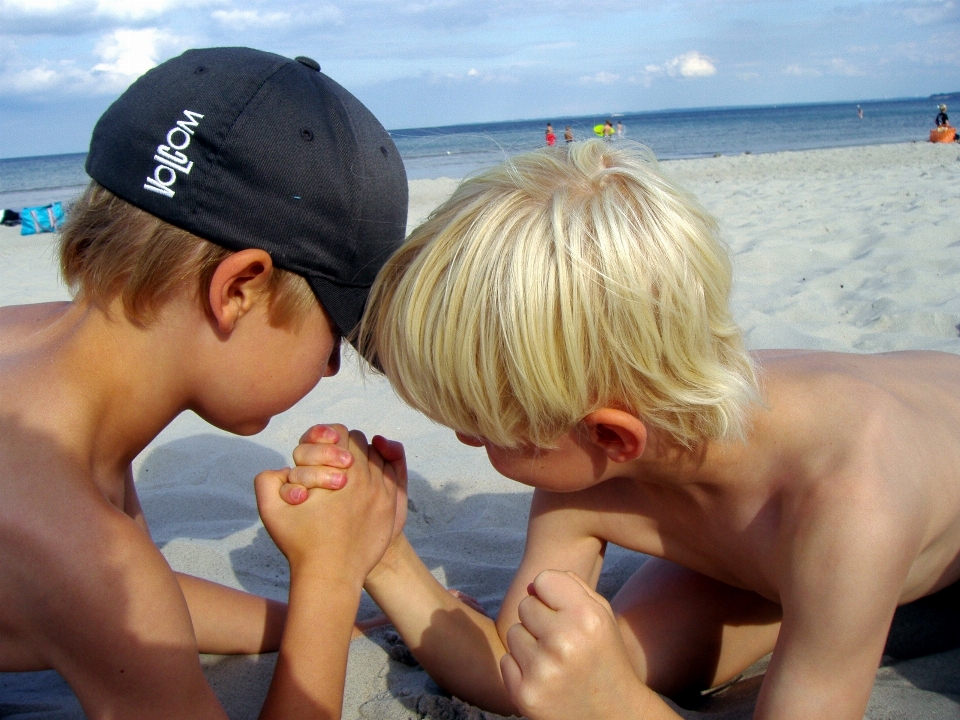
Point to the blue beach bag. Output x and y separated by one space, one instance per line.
41 219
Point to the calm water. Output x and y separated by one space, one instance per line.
457 150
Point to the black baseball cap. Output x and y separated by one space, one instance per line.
248 149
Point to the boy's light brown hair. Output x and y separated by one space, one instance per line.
563 281
111 249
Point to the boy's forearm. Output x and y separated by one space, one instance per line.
458 647
312 664
232 622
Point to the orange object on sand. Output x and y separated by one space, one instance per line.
945 133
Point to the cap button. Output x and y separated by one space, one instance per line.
309 62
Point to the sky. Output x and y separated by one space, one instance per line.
425 63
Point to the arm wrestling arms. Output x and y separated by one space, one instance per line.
232 622
461 648
332 540
458 646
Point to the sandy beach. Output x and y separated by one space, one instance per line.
854 249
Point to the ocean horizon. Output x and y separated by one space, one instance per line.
457 150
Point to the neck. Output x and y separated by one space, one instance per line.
119 384
664 462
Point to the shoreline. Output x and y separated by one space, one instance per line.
17 199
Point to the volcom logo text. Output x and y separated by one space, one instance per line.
170 158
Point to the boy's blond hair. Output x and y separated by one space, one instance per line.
560 282
110 248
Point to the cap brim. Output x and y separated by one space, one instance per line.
344 304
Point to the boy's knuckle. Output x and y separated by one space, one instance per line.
592 621
529 696
565 647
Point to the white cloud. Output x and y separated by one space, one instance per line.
690 65
927 12
237 19
243 19
841 66
601 78
833 66
138 9
127 54
473 75
801 71
123 10
123 55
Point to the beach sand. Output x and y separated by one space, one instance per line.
850 249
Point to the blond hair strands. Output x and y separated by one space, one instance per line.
110 248
563 281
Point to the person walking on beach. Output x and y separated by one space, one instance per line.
551 137
792 499
240 207
568 134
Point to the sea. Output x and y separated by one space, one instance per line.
457 150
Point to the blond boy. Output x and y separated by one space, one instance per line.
568 311
241 205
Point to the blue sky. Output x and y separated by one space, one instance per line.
440 62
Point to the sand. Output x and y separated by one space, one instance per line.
849 249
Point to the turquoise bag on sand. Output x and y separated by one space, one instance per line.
41 219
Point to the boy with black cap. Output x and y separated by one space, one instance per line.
240 208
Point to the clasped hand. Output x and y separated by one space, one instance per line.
331 510
566 656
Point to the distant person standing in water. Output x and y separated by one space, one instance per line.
608 130
551 136
620 129
568 134
859 112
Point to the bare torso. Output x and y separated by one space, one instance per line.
836 427
65 520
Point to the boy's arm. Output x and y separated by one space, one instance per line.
459 647
568 660
332 539
842 577
225 621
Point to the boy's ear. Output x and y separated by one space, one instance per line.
236 285
622 436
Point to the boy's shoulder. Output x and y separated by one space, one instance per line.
46 436
842 383
72 563
866 418
19 321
